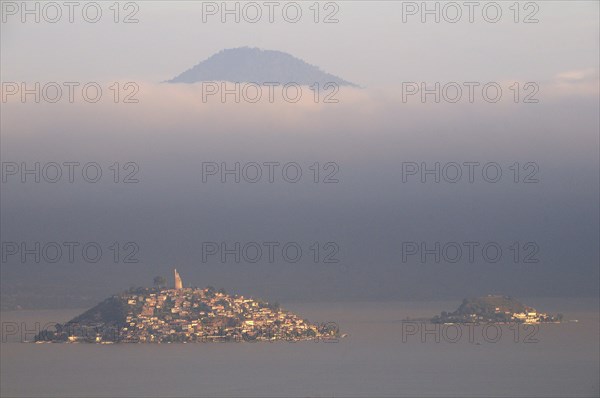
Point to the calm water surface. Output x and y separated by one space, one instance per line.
372 361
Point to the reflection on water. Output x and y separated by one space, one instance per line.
372 361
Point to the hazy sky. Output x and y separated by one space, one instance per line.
368 134
370 44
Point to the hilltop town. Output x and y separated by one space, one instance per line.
166 315
494 309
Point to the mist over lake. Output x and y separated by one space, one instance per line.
364 198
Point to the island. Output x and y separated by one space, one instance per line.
185 315
494 309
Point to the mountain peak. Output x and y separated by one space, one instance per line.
255 65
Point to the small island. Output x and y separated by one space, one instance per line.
169 315
494 309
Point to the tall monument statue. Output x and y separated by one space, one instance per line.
178 282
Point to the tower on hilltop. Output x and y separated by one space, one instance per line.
178 282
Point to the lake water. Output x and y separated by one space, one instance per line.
557 360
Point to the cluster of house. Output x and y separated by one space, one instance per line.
528 315
161 315
189 314
494 309
532 316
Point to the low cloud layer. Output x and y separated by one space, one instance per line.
369 212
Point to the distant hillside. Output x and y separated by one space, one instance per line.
158 315
490 305
113 310
500 309
247 64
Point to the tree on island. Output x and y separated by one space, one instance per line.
159 281
210 291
